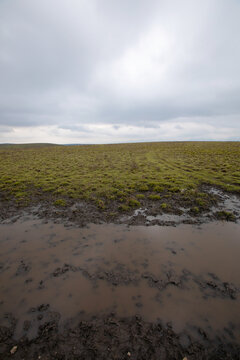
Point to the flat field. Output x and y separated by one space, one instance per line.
126 175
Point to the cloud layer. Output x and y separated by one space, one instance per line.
92 71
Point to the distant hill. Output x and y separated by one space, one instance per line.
24 146
76 144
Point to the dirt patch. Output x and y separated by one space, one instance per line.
111 338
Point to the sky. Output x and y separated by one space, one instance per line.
104 71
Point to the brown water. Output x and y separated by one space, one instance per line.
185 275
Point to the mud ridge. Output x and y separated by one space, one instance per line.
211 286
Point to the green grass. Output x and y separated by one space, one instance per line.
226 215
60 202
164 206
122 173
154 197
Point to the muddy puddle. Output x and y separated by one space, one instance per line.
226 207
186 276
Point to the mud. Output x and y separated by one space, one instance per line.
218 205
107 291
111 338
221 206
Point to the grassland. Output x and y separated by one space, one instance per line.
123 174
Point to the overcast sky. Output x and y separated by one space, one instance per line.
105 71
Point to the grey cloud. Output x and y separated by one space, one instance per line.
5 129
75 63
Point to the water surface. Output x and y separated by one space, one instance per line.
186 275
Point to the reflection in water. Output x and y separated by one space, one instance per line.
185 275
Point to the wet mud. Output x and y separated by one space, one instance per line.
217 205
117 291
221 206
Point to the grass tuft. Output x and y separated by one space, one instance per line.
60 202
154 197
